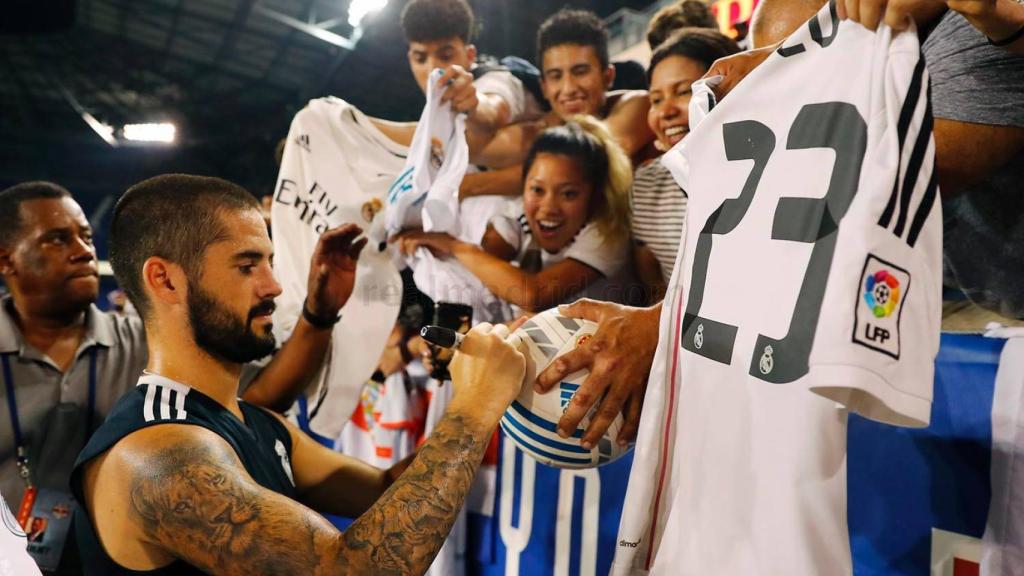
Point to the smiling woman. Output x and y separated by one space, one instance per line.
572 231
658 204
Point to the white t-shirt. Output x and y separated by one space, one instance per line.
336 169
14 559
590 247
521 102
808 285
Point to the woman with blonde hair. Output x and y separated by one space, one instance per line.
572 229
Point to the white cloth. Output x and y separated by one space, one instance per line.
1003 542
740 462
522 105
14 558
427 192
336 169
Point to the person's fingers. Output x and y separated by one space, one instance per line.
566 364
501 331
871 13
853 10
897 16
457 84
357 248
517 323
341 237
582 401
448 74
474 344
399 237
464 104
584 308
516 341
607 411
631 417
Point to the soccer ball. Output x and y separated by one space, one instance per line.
531 420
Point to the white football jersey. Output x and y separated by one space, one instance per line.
336 169
808 284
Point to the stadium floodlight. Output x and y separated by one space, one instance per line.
105 131
358 9
162 132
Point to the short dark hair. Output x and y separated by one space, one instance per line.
683 14
698 44
568 26
173 216
11 200
430 20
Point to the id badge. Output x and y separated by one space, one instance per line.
47 527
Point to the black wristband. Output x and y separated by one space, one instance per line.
316 322
1008 40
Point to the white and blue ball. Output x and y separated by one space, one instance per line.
531 419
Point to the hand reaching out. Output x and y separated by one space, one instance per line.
619 357
332 270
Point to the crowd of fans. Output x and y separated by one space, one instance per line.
591 211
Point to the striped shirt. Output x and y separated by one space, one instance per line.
658 213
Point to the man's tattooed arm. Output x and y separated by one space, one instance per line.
403 531
192 497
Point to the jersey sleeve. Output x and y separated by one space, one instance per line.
505 85
603 254
880 323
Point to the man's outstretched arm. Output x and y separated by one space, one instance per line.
185 494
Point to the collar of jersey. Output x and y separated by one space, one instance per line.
152 379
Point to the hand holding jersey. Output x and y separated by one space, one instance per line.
740 458
459 89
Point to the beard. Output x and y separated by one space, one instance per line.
222 334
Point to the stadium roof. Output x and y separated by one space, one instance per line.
229 73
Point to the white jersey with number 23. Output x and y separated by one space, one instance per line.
808 285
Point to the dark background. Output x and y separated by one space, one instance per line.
230 77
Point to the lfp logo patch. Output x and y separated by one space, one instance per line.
882 293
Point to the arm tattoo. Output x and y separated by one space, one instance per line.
404 530
193 499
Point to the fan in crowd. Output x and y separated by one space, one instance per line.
573 230
658 205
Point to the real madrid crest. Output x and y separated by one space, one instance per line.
767 362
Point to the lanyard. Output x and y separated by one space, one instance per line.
12 407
